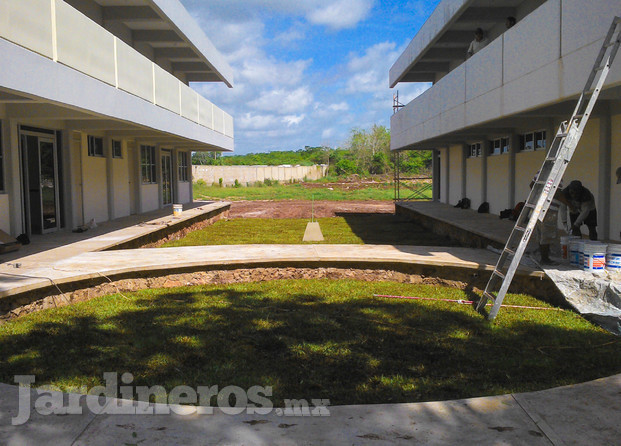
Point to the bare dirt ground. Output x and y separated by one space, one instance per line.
302 209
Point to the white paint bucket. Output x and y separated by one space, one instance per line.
613 258
565 246
595 257
177 210
574 252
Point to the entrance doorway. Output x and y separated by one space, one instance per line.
40 182
167 192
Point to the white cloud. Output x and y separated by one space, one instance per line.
293 119
283 101
340 14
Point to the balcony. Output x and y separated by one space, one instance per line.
543 60
63 35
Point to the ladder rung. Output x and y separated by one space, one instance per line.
499 274
531 206
489 296
511 252
551 158
562 135
519 228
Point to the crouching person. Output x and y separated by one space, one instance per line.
581 209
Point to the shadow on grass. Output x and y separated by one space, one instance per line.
391 229
305 346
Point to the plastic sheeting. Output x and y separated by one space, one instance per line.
596 296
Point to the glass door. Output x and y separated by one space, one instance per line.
166 177
49 185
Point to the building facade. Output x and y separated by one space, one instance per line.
97 117
491 118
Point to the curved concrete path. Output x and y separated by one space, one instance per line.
31 276
583 414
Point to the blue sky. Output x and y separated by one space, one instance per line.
307 71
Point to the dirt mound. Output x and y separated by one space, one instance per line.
302 209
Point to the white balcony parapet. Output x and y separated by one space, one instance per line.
540 61
57 31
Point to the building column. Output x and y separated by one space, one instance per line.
13 182
514 142
109 175
464 170
605 166
485 145
437 179
447 173
68 167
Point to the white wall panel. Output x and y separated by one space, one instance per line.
120 177
135 72
183 191
84 45
149 195
537 88
218 120
474 168
455 166
526 166
189 103
229 126
166 90
205 109
585 22
483 108
533 42
498 183
95 186
452 88
484 70
28 23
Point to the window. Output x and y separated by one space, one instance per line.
499 146
474 150
182 163
95 146
117 149
147 164
533 141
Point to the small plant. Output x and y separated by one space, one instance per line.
201 182
237 184
220 182
268 182
258 184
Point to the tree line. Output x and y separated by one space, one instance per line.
366 152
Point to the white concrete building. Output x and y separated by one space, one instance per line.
490 119
96 116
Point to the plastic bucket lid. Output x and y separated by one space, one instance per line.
614 249
595 248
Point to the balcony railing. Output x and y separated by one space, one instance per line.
54 29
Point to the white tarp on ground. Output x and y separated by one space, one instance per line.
595 296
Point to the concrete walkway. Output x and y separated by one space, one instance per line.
88 265
583 414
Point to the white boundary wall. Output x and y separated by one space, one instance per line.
248 175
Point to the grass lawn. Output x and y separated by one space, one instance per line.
350 229
309 339
291 192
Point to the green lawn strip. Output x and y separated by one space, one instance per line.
291 192
309 339
352 229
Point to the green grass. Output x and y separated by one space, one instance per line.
350 229
291 192
309 339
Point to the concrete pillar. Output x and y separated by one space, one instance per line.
464 169
514 143
485 148
447 173
13 184
435 167
109 175
605 174
68 166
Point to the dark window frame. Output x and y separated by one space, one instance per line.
148 170
475 150
117 145
96 146
182 164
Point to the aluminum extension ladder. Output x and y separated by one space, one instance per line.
550 175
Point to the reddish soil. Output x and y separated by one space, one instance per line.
302 209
